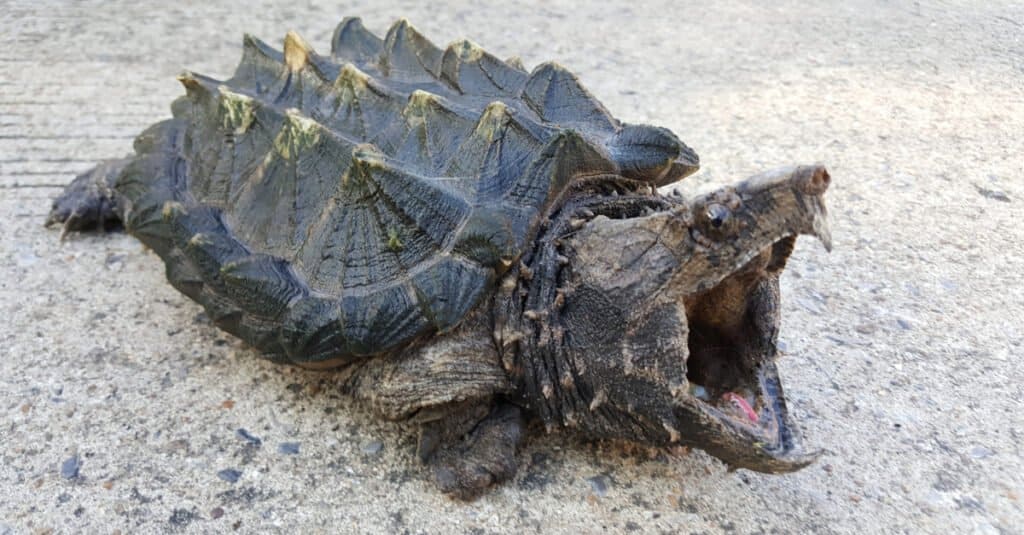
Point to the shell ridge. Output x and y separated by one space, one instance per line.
352 37
382 242
402 42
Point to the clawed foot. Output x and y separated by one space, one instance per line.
469 454
88 202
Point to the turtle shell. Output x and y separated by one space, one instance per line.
324 208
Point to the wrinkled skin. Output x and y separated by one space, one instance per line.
663 328
634 316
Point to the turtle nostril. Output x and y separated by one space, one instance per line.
819 179
815 179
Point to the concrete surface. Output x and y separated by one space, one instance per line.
122 407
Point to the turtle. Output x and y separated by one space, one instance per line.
474 247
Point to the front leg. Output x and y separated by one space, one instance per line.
472 448
89 201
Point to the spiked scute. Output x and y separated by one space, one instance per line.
331 207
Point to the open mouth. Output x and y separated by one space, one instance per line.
731 370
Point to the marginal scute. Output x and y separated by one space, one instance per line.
261 284
449 289
651 154
327 208
381 319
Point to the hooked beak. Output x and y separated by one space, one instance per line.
811 182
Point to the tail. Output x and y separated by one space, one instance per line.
89 202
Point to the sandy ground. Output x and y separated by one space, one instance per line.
125 411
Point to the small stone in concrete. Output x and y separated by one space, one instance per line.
288 448
245 435
993 194
373 447
229 474
69 469
182 517
980 452
599 485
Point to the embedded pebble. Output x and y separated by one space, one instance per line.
288 448
980 452
245 435
599 485
229 474
69 468
182 517
993 194
373 448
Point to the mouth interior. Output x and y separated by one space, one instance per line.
730 342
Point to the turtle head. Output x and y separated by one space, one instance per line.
671 321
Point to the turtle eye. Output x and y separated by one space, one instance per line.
717 215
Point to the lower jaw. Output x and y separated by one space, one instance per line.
770 446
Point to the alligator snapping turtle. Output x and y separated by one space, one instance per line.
472 245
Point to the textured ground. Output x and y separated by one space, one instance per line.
123 410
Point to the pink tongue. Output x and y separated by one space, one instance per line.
741 402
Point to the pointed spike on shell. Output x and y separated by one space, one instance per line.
172 209
469 69
352 76
296 51
255 45
424 102
299 133
424 99
516 62
199 239
557 95
368 154
353 41
298 120
496 115
403 39
466 50
237 110
197 84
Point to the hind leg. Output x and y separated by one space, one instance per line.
472 448
89 201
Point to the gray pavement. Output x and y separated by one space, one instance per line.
123 408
